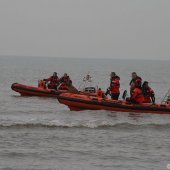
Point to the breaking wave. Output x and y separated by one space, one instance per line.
85 125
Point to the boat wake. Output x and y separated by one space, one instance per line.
91 125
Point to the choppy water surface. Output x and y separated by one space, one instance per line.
40 134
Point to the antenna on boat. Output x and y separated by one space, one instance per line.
87 78
166 98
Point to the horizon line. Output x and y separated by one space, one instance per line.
109 58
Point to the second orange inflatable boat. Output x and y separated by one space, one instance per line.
79 102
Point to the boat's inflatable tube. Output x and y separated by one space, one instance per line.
25 90
83 102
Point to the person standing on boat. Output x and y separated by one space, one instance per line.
53 81
134 79
114 88
65 81
148 93
136 94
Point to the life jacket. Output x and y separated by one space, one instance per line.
148 93
100 94
41 84
133 81
65 82
63 86
115 85
54 80
137 95
65 79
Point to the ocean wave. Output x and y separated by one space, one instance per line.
86 125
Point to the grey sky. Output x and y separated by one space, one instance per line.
85 28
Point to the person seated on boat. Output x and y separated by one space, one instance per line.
65 81
53 81
135 77
41 84
136 94
101 94
114 89
148 93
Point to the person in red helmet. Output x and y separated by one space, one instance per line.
114 89
53 81
136 94
135 77
148 93
100 94
65 81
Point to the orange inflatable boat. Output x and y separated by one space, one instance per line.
79 102
25 90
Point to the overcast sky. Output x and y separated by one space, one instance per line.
85 28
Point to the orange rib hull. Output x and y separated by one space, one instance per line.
83 102
25 90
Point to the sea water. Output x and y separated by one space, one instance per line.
41 134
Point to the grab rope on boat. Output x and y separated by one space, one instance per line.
166 99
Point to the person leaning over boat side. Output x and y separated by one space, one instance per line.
114 86
65 81
148 93
53 81
134 79
136 95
